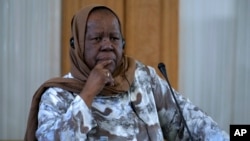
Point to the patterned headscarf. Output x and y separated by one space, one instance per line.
123 75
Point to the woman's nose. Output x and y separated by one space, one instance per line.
107 44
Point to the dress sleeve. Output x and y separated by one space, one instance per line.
201 126
63 116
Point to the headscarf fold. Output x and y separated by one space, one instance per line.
123 75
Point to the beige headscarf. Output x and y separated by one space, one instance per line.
123 75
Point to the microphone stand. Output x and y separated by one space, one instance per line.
162 68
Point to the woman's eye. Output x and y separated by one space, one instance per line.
114 38
97 38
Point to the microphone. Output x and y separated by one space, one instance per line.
162 68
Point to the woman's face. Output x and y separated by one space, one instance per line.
103 40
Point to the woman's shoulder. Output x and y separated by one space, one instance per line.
58 92
141 67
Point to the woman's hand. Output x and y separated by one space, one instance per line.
98 78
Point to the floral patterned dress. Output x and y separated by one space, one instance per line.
146 112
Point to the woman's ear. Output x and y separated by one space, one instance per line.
123 43
71 42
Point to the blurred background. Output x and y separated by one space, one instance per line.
204 44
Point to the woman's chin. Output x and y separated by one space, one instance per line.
111 67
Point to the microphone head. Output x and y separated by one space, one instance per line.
162 68
161 65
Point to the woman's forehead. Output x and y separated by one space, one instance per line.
102 20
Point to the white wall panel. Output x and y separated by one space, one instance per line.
214 67
29 55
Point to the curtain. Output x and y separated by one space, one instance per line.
214 62
29 55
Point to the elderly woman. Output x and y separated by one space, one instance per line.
108 95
